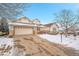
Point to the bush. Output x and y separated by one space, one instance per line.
10 36
53 33
1 33
42 32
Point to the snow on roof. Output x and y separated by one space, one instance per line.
58 24
24 24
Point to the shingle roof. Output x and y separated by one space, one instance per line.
24 18
48 25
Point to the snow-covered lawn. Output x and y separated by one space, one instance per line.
68 42
6 40
6 45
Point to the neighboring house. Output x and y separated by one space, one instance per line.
74 30
51 27
23 26
77 29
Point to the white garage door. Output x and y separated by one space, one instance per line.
23 31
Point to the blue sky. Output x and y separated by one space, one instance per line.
45 11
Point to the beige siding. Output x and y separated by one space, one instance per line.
53 27
11 32
23 30
45 29
24 20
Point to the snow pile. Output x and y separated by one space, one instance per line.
6 40
6 45
69 41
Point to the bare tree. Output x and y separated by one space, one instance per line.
67 19
12 10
